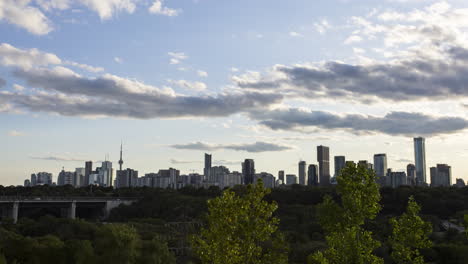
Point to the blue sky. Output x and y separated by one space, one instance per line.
268 80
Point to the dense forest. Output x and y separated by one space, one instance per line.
156 228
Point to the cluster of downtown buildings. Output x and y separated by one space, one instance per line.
313 174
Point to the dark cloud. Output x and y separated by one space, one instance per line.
394 123
57 158
65 93
250 147
2 82
412 78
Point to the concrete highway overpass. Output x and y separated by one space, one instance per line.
70 207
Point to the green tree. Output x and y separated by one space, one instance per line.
117 244
410 233
49 249
348 242
466 224
155 252
241 230
79 251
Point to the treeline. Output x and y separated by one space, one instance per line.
297 213
54 240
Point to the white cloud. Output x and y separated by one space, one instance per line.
12 56
234 69
359 51
107 8
54 4
19 13
322 27
177 57
202 73
194 86
158 8
295 34
18 87
118 60
353 39
85 66
15 133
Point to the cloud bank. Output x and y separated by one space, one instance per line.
250 147
394 123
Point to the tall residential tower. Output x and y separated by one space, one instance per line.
420 160
340 163
302 173
323 158
207 169
248 170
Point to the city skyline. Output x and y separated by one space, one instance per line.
265 80
313 174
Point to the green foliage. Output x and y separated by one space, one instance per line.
2 259
155 252
79 251
79 243
466 224
241 230
348 242
117 244
410 233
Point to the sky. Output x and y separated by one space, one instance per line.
262 79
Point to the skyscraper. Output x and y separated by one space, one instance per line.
411 174
420 160
126 178
281 176
397 178
302 173
380 167
206 170
291 179
323 158
33 179
441 175
65 178
79 177
248 170
88 171
340 162
312 175
106 174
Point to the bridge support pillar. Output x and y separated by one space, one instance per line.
72 210
15 211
